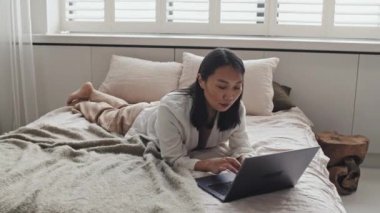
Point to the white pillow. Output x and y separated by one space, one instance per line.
191 64
137 80
258 89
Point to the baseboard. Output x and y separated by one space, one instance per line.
372 160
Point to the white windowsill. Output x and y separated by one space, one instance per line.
190 41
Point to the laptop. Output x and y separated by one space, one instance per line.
259 175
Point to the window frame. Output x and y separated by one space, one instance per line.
214 27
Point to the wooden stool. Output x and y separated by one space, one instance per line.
346 153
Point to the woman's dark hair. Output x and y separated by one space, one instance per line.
198 115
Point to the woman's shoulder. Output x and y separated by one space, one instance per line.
176 100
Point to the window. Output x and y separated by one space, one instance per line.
316 18
187 11
357 13
135 10
307 12
297 17
90 10
356 19
242 12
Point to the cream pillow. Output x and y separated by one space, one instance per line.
137 80
258 89
191 64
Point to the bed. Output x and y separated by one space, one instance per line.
63 163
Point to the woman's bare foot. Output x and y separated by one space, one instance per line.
82 94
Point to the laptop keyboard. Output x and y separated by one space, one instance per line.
221 188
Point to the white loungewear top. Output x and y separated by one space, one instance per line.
168 125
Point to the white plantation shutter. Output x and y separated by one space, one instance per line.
190 11
299 12
364 13
135 10
242 11
301 18
84 10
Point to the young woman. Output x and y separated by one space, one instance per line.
204 115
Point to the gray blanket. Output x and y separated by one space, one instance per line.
51 168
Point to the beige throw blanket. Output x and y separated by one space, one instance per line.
51 168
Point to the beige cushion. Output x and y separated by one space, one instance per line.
258 89
137 80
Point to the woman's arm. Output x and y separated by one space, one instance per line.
171 139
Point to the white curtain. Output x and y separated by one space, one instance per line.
18 95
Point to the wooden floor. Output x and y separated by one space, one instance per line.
367 198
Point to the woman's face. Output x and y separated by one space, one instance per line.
222 88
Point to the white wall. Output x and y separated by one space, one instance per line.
59 69
323 86
40 10
367 115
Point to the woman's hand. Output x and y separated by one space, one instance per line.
217 165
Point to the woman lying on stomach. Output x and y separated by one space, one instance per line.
204 115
